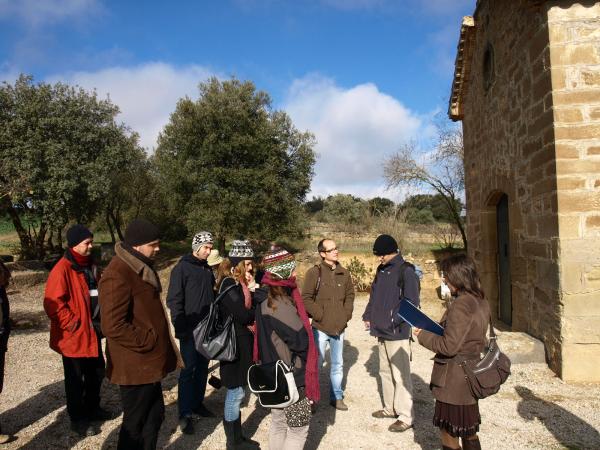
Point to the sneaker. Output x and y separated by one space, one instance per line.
186 425
202 411
383 414
398 426
339 404
83 428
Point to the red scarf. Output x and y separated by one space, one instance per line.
311 373
83 261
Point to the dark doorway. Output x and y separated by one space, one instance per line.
504 284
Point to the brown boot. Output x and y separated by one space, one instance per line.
471 444
444 447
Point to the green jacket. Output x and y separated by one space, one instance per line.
331 306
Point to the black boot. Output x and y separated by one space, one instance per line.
240 434
471 444
234 439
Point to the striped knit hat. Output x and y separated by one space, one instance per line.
279 262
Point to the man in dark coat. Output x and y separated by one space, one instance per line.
189 297
140 349
4 331
71 303
395 279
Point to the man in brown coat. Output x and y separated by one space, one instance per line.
140 349
328 294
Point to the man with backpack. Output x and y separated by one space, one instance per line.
394 279
328 295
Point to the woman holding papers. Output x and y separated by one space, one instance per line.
465 325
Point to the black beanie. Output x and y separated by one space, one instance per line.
385 245
140 232
76 234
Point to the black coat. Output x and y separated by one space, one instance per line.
234 373
190 294
4 319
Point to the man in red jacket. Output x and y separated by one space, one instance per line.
71 303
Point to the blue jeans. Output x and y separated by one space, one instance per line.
192 378
233 400
336 348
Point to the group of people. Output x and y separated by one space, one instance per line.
274 319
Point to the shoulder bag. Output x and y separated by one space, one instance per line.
214 336
274 384
486 375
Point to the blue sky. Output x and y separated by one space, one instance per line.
362 75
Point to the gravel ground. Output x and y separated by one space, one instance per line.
533 410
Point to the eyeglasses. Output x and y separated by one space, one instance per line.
330 250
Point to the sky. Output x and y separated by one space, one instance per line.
364 76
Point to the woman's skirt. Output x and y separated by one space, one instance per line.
457 420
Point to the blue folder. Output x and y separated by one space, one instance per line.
417 318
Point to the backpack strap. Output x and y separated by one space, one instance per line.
318 284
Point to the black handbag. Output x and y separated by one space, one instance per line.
485 376
274 384
214 336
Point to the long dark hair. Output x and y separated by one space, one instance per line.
460 271
275 292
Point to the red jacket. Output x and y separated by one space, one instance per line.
67 303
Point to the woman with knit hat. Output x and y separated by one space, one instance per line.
283 332
237 302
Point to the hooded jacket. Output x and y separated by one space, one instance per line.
385 299
67 304
190 294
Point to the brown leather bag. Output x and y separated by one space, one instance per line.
486 375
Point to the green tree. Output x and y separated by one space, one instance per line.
228 163
379 206
344 208
59 146
436 204
315 205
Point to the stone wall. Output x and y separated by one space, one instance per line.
574 49
532 131
509 148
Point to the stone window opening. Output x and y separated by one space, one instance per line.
489 70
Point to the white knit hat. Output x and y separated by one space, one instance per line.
200 239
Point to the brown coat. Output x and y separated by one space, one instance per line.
139 346
331 307
465 327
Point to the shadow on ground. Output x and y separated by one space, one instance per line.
568 429
425 434
325 414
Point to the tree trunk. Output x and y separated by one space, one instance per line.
27 249
110 228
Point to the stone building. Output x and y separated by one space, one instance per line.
527 90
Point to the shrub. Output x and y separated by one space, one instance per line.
361 278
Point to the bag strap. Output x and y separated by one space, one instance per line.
492 332
222 293
318 285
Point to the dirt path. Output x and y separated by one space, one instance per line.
533 410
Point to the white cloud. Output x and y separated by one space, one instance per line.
40 12
146 94
355 128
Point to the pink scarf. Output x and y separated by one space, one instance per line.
311 373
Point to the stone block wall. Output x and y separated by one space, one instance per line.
532 131
509 149
574 30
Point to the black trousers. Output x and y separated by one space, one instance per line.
143 414
83 379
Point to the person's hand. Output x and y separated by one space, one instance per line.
367 325
416 331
